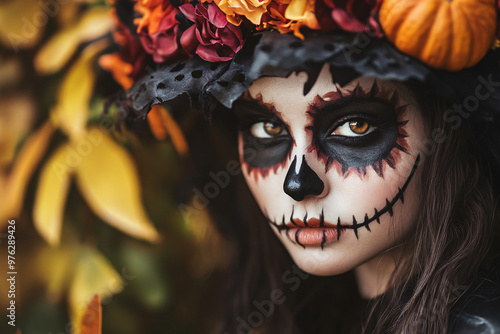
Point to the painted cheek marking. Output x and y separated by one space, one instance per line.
264 172
388 204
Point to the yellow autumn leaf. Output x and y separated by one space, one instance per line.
109 182
55 267
93 275
58 50
22 23
72 108
94 23
51 193
13 185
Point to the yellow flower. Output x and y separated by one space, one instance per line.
251 9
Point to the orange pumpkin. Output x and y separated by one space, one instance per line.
444 34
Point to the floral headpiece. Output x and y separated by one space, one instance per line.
216 48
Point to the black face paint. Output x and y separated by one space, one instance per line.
305 182
358 152
261 153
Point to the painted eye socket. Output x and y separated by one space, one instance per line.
353 128
267 130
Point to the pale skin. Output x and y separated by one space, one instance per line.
367 212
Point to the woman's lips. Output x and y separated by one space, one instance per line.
313 231
312 235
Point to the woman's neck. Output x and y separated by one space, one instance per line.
373 277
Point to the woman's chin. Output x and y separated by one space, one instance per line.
315 261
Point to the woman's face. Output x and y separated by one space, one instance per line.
335 172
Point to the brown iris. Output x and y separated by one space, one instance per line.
359 127
272 129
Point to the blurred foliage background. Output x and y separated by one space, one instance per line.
95 207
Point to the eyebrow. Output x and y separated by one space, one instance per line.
247 106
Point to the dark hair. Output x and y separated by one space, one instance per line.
453 237
452 240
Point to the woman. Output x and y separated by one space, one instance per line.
344 186
375 171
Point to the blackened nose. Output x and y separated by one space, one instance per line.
305 182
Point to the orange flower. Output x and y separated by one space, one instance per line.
251 9
128 64
275 17
290 15
120 70
152 12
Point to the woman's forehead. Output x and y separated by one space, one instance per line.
277 90
286 95
274 89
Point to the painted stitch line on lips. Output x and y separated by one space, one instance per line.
312 236
329 231
309 231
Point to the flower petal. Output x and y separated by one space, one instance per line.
216 16
210 53
189 41
347 21
296 9
188 11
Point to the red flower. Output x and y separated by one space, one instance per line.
349 15
128 64
131 50
211 36
163 41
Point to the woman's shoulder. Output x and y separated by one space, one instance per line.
479 310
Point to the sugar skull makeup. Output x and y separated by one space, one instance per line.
335 172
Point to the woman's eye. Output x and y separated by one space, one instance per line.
267 130
353 128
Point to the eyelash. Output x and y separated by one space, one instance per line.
352 118
283 131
